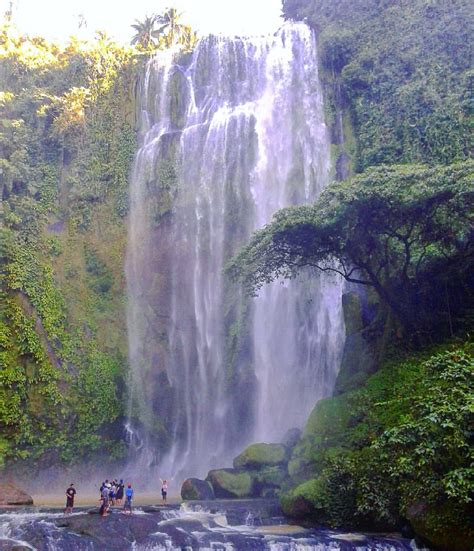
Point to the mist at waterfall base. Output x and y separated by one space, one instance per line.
227 137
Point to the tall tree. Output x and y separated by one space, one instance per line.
404 230
171 27
145 29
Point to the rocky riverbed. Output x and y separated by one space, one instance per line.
220 525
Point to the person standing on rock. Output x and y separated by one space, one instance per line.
164 490
112 491
104 498
70 493
127 508
119 495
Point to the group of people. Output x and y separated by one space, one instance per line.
112 493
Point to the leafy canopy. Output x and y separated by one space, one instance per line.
403 69
393 228
171 31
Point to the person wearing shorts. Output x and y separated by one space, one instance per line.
70 493
164 490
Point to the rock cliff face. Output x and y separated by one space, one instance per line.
12 495
359 357
68 140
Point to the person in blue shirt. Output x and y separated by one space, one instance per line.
127 508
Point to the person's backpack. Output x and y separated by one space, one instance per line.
129 492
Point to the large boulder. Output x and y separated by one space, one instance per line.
268 480
357 364
271 476
12 495
196 489
257 456
326 428
304 501
291 438
231 483
441 525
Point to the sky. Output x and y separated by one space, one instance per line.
58 19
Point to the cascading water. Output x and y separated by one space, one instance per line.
173 529
227 138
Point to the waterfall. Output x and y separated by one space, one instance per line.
228 135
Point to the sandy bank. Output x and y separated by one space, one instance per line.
92 500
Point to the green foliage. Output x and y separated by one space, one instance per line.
144 30
336 49
169 33
403 70
67 143
122 161
402 441
405 231
26 274
101 277
96 402
29 384
430 443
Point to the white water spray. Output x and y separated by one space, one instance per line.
226 140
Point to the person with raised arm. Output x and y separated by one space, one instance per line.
164 490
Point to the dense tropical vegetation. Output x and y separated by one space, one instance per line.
396 449
402 69
393 447
66 148
404 230
67 139
170 32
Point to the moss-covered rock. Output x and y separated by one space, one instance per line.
359 353
358 363
269 480
259 455
178 93
352 309
196 489
328 421
327 428
305 500
441 525
231 483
